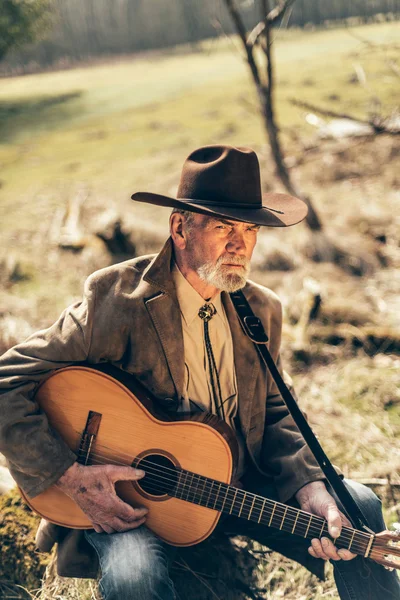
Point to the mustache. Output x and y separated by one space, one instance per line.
233 260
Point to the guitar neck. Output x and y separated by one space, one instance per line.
225 498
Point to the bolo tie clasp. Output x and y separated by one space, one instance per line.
206 312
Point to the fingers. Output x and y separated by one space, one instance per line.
122 518
117 473
346 555
326 550
117 525
332 515
127 513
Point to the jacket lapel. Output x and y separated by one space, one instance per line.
163 308
247 365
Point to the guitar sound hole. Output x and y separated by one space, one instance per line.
161 475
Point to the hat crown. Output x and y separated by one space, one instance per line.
222 175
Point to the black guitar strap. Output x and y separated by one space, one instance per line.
254 329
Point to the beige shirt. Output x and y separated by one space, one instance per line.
197 388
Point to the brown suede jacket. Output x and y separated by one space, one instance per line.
130 316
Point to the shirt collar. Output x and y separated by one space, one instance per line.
189 300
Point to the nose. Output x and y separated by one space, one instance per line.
236 243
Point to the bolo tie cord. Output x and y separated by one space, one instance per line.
206 313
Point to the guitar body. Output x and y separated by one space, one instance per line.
127 432
108 419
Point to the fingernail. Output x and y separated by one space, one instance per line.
325 542
342 553
334 532
140 473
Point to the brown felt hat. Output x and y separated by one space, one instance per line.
225 181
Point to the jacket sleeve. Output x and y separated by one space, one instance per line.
36 455
285 453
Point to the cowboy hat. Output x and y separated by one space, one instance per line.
225 181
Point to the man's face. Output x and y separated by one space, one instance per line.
219 250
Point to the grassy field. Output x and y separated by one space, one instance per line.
114 128
128 124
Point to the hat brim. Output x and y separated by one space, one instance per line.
278 210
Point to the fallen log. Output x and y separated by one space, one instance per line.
373 339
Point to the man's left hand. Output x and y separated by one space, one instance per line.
315 499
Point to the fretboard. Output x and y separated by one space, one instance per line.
234 501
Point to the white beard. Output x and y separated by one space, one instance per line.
222 277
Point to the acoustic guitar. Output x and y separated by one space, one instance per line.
188 465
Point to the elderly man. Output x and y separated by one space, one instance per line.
145 316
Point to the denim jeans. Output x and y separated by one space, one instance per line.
134 564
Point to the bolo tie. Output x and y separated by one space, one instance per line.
206 313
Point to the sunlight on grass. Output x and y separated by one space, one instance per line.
117 114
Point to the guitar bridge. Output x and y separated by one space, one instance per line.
88 437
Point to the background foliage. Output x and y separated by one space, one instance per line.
22 22
89 28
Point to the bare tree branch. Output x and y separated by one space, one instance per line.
265 85
326 112
276 13
272 17
241 29
379 124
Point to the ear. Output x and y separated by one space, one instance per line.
177 230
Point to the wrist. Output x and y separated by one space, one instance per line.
64 482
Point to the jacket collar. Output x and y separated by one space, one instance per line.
158 273
163 308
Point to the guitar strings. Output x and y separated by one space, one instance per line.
279 511
289 520
383 552
287 525
302 520
173 471
367 536
129 456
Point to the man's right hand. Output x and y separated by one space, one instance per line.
93 490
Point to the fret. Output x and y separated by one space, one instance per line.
262 510
283 518
352 538
233 501
217 495
187 487
369 546
196 489
226 495
308 526
204 487
322 529
295 522
251 508
182 483
272 515
190 489
241 506
209 492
